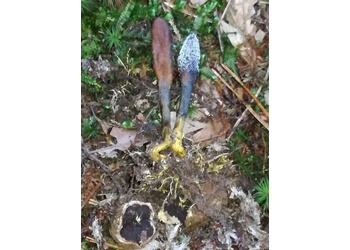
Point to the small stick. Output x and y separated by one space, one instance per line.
88 197
246 89
241 117
267 74
104 149
93 158
225 10
252 111
93 113
216 157
144 122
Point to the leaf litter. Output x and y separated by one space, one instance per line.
137 177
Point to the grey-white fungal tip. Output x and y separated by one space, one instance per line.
188 60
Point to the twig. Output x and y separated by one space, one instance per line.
267 74
93 202
105 149
241 117
219 37
120 60
106 244
93 113
225 10
104 168
88 197
252 111
246 89
143 124
216 157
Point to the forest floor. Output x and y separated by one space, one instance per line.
206 200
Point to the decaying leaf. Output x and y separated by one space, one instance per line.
105 126
248 53
217 146
226 236
259 35
142 105
211 129
240 92
190 125
252 237
171 244
124 137
140 117
233 33
239 15
97 233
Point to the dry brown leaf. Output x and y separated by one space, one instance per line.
240 92
239 16
105 126
140 117
142 105
211 129
124 137
189 126
248 53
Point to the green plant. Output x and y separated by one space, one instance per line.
206 20
115 33
242 148
262 193
87 6
154 116
89 127
91 83
230 58
127 124
208 73
192 110
114 38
